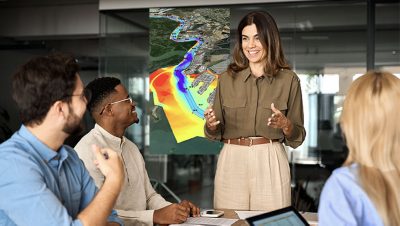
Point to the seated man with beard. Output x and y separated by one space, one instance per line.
43 182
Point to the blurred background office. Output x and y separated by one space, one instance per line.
328 44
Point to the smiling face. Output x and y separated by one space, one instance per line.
124 111
251 45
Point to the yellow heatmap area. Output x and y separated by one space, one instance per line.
183 105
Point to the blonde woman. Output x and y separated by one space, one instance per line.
366 190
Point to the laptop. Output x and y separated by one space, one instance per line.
287 216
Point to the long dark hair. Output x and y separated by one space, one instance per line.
268 34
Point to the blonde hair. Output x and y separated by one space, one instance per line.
372 134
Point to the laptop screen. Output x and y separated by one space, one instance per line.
287 216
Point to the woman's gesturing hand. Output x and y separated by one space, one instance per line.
211 120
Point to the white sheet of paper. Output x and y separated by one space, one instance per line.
311 218
191 221
246 214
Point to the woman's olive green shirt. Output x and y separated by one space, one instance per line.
243 105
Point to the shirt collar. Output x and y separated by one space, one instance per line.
111 139
42 149
246 73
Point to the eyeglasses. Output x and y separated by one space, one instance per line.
84 96
116 102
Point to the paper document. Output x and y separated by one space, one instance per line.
246 214
206 221
311 218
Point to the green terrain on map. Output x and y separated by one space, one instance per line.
164 51
210 26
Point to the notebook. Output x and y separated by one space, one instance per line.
287 216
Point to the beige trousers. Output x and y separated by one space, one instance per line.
252 178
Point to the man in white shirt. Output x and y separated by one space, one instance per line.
138 203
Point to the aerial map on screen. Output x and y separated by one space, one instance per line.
189 48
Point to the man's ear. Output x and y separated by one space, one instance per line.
60 109
108 111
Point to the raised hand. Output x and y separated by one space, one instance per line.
211 120
109 163
279 120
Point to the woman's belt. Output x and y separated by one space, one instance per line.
249 141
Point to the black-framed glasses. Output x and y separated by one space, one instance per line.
116 102
84 96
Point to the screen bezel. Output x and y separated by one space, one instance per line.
252 219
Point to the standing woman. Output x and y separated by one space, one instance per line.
365 191
257 107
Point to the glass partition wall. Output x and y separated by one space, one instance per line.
326 45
